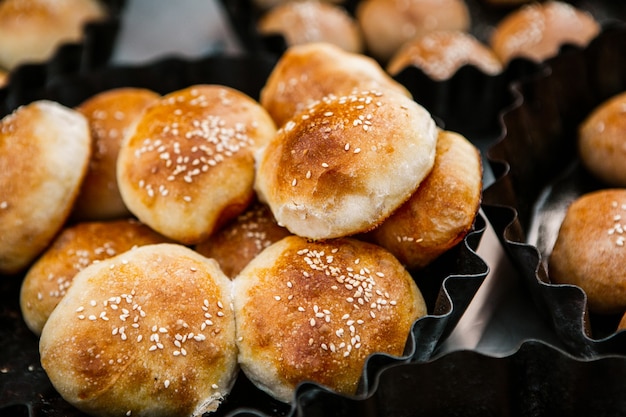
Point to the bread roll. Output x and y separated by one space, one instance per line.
442 210
389 24
188 166
345 164
590 250
111 114
312 21
602 141
76 247
440 54
242 239
306 73
314 311
31 30
149 332
537 31
44 152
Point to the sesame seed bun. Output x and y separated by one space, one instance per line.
602 141
536 31
111 114
590 250
44 152
314 311
345 164
188 166
442 210
147 332
76 247
306 73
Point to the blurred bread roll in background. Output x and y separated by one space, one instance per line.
45 149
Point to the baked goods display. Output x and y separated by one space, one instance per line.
147 332
332 302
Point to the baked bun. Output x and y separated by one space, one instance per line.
44 152
389 24
442 210
76 247
590 250
537 31
4 78
314 311
31 30
602 141
242 239
111 114
188 166
147 332
312 21
345 164
306 73
440 54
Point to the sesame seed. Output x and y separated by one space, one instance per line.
166 383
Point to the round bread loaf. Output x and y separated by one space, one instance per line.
345 164
590 250
440 54
242 239
602 141
111 114
306 73
31 30
389 24
75 247
312 21
149 332
44 153
537 31
188 166
442 210
314 311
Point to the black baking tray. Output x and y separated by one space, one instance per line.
448 284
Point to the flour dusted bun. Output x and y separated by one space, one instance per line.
590 249
345 164
312 21
147 332
314 311
31 30
44 152
111 114
440 54
536 31
188 166
75 248
306 73
602 141
442 210
388 24
242 239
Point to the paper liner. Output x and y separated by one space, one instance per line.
448 284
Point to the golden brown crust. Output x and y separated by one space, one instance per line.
536 31
38 186
314 311
439 54
601 141
147 332
307 73
312 21
188 167
75 248
442 210
111 114
590 249
242 239
342 166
